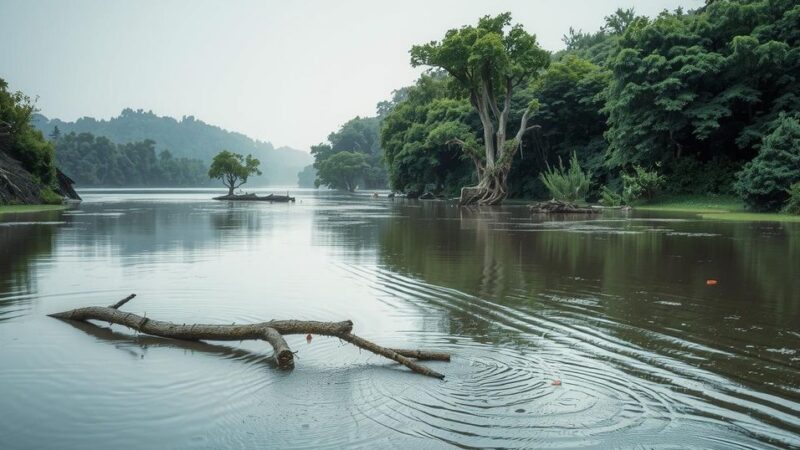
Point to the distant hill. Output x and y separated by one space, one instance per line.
189 138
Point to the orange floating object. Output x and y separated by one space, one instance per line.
711 282
556 382
308 338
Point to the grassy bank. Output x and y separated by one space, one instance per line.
714 208
8 209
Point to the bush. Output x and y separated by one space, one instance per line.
50 197
567 185
609 197
687 175
793 204
764 182
643 184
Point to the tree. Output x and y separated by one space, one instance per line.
233 169
342 170
416 136
360 135
307 176
488 61
765 181
22 141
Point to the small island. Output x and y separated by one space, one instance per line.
234 169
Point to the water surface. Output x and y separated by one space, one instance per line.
616 308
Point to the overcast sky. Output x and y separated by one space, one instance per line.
289 72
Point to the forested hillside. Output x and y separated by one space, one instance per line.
95 161
186 138
686 99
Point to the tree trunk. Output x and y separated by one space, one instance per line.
490 191
230 191
272 332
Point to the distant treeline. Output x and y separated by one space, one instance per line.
186 138
96 161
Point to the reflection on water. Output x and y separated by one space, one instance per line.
616 308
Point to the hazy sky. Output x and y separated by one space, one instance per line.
289 72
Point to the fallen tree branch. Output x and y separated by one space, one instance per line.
272 332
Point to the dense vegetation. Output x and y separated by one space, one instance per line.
28 172
185 138
22 141
362 163
688 96
96 161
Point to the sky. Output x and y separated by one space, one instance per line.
288 72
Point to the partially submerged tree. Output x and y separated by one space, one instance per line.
233 169
489 62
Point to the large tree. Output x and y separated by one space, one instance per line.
233 169
488 61
342 170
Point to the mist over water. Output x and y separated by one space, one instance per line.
616 308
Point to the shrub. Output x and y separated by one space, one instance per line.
764 182
609 197
793 204
687 175
50 197
567 185
643 184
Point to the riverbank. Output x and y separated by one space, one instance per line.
18 209
714 208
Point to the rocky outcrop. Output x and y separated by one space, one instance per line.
17 185
65 186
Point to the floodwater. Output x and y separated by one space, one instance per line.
617 308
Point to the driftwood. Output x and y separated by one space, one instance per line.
272 198
559 207
272 332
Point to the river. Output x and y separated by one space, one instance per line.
617 308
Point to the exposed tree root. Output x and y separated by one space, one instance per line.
272 332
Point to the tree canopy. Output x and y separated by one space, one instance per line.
342 170
96 161
22 141
233 169
488 62
186 137
691 95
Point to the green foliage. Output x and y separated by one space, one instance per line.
359 135
23 142
610 198
342 170
49 197
306 177
96 161
233 169
487 63
708 84
417 136
764 181
570 94
187 137
641 185
793 203
567 185
688 175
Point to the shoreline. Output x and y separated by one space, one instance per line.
24 209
